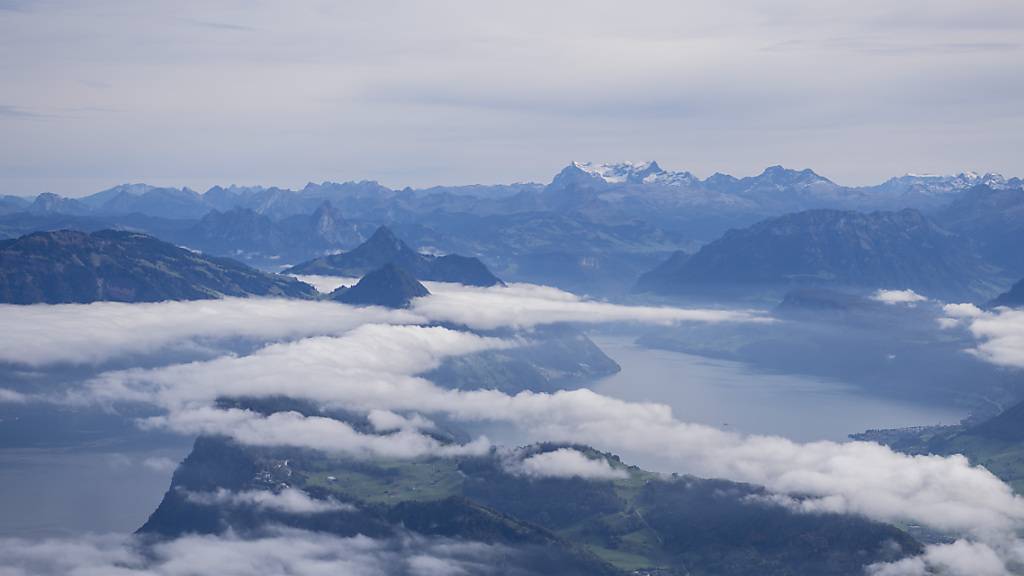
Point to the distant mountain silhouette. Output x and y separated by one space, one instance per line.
388 286
1014 297
386 248
594 228
993 218
246 233
832 248
818 300
71 266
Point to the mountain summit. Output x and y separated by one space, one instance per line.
383 247
388 286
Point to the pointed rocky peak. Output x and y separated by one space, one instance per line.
389 286
720 180
382 247
326 221
383 239
48 202
462 270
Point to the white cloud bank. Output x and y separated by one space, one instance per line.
566 463
288 500
529 305
43 334
372 368
325 284
960 558
12 397
892 297
1000 332
281 551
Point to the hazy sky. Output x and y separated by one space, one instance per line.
419 93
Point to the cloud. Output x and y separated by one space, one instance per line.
279 551
288 500
960 558
43 334
160 464
566 463
325 284
39 335
529 305
966 310
1000 332
353 371
372 369
892 297
12 397
17 112
292 429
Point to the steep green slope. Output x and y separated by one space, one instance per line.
637 522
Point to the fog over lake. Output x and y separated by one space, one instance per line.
732 395
98 488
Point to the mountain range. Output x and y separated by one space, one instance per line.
897 250
775 190
70 266
246 234
594 228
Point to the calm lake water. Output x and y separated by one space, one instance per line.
60 492
732 396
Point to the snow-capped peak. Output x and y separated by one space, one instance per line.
634 173
621 172
944 183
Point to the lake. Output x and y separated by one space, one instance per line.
732 396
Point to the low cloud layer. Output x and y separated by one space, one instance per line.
893 297
12 397
325 284
566 463
43 334
371 362
960 558
281 551
529 305
1000 333
288 500
374 367
292 429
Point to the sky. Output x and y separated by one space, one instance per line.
197 93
